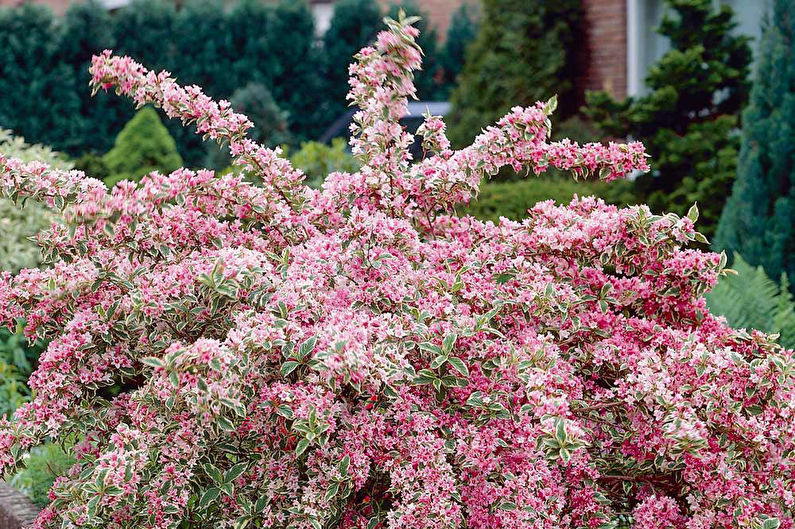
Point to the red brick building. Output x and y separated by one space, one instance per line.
617 47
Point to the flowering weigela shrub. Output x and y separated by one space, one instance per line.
233 355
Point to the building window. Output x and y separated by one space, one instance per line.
322 12
645 46
114 4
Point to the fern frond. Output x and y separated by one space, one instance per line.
751 300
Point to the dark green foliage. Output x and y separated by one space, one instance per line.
92 165
758 219
270 122
44 63
429 81
142 146
355 24
87 29
18 359
524 52
143 30
36 96
751 300
688 118
202 41
295 80
462 31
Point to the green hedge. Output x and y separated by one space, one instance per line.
512 199
218 45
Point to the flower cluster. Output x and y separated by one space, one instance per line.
231 354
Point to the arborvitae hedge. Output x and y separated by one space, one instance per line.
688 118
462 31
354 24
219 45
524 52
758 221
251 41
36 96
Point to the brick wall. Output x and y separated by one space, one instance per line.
604 48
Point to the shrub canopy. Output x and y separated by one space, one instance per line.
357 356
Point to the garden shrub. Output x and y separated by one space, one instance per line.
749 299
17 225
757 221
689 117
143 145
357 356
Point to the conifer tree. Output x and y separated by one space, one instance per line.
87 29
144 145
758 219
523 53
354 25
42 112
462 31
688 118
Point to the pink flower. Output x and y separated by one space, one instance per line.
361 357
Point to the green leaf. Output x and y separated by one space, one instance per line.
438 361
475 400
285 411
234 472
332 490
560 432
214 473
153 362
344 464
225 424
449 342
425 376
692 213
288 367
771 523
307 347
209 496
301 447
459 365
